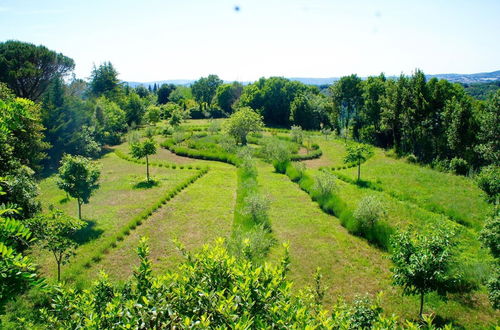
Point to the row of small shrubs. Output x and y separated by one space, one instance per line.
129 158
322 190
179 150
350 165
112 241
314 153
431 207
252 236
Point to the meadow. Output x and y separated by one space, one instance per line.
211 205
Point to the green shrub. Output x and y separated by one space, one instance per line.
256 207
324 185
211 289
369 211
252 244
411 158
489 181
459 166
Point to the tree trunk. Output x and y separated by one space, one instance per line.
58 271
147 167
421 304
359 169
79 209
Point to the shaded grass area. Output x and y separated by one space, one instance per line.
113 205
454 196
350 265
195 217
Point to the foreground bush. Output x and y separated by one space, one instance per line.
210 290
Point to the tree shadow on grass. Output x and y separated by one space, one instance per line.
87 233
146 184
64 200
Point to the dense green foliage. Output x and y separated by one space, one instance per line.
210 290
243 122
55 233
28 69
17 271
79 177
423 264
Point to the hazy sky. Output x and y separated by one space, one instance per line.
157 40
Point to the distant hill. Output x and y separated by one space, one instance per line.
453 77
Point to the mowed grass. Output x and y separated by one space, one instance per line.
333 153
350 266
197 216
119 199
455 196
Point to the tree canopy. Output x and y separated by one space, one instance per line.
79 177
28 69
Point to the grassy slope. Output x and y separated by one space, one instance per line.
455 195
195 217
116 202
349 264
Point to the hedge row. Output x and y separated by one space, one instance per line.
155 163
111 242
200 154
405 198
349 165
315 153
378 235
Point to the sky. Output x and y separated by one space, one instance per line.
246 39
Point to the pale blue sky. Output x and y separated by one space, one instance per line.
185 39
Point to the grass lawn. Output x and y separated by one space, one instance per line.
198 215
456 196
333 153
119 198
350 266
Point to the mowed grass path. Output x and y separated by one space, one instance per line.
117 201
350 266
196 216
318 240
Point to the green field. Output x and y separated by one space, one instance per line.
204 210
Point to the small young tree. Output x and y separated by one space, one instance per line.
422 263
242 122
296 134
357 153
79 177
55 232
326 132
143 149
370 210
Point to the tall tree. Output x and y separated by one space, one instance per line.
164 93
204 89
347 94
79 177
227 94
489 132
104 80
28 69
21 133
